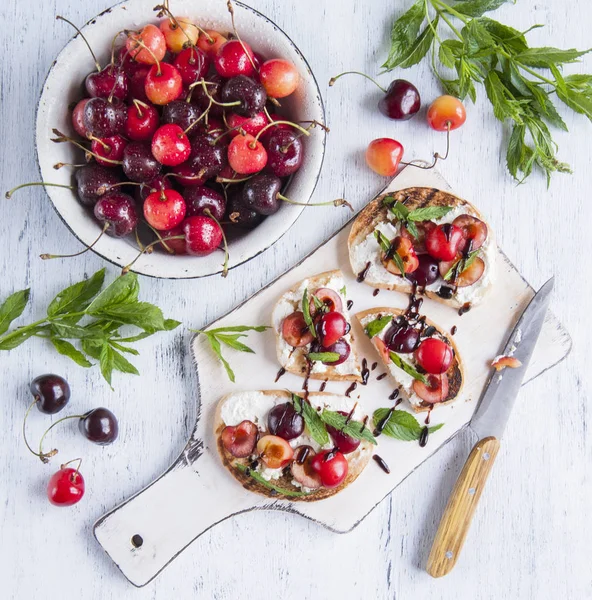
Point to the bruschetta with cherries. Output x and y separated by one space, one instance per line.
313 330
427 240
422 360
290 446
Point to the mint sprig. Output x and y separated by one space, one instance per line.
460 265
259 479
91 316
410 217
375 327
405 366
230 337
325 357
400 425
312 420
385 246
306 312
354 429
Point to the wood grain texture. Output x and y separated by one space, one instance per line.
535 515
462 504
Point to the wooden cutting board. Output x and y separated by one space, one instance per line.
146 532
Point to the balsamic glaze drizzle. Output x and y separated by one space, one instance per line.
362 274
381 376
281 372
380 462
351 388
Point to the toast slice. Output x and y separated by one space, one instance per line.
251 472
295 359
406 381
365 252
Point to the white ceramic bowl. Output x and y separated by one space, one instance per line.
65 83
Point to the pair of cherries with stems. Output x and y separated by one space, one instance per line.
401 102
51 394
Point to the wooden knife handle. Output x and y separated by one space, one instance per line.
461 506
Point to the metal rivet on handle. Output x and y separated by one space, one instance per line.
472 491
449 554
486 456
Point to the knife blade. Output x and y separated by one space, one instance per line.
500 394
488 422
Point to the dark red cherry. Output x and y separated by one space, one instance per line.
119 210
340 347
214 87
136 88
207 157
100 426
283 420
261 193
103 118
401 339
51 392
192 63
109 148
248 92
188 175
345 443
401 100
78 118
139 164
201 198
239 214
145 189
284 152
93 181
202 235
108 82
183 114
427 271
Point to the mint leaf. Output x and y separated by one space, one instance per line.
106 360
577 100
382 240
257 477
401 425
75 332
16 338
475 8
420 46
144 315
314 423
77 297
215 344
123 290
232 342
12 308
461 265
306 313
120 363
92 348
429 213
343 291
170 324
375 327
67 349
545 57
403 35
325 357
409 369
240 329
354 429
399 210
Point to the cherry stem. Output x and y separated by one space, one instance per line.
140 43
229 181
208 212
64 138
54 452
138 241
202 116
50 256
148 248
59 165
337 202
164 10
9 194
60 18
436 155
334 79
273 124
113 45
231 11
44 457
315 123
99 141
71 461
137 104
160 238
237 128
205 88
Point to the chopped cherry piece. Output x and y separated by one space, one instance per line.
170 145
435 391
302 470
434 356
427 270
234 58
469 276
66 487
340 347
274 451
331 327
345 443
404 248
330 298
501 362
164 209
401 340
240 441
155 43
475 230
382 349
331 466
444 241
283 420
295 331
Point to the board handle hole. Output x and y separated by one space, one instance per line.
137 540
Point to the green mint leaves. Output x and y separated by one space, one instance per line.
312 420
259 479
408 217
325 357
306 313
92 317
230 337
460 265
385 246
409 369
375 327
484 51
354 429
401 425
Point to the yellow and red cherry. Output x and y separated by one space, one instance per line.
445 241
234 58
475 230
152 46
240 440
193 64
170 145
434 391
330 299
469 276
404 248
331 328
383 156
274 451
210 42
279 77
110 148
65 487
203 235
164 209
446 113
246 155
179 32
252 125
302 470
176 244
434 356
332 467
295 331
142 121
163 84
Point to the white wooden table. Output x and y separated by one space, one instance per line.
530 536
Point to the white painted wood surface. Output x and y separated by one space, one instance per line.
530 536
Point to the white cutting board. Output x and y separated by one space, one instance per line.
196 492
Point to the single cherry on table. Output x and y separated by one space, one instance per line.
383 156
65 487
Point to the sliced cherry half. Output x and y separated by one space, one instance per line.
475 230
444 241
330 299
469 276
274 451
434 356
404 248
295 331
423 228
382 349
240 441
332 467
344 443
302 470
436 389
283 420
401 340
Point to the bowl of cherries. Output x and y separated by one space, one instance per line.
181 142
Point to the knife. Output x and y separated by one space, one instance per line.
488 423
